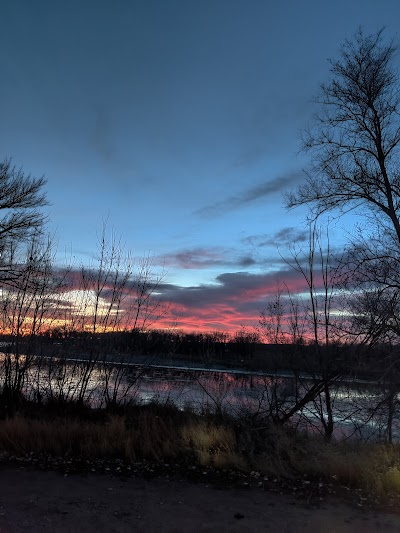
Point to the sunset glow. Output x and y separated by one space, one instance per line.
182 134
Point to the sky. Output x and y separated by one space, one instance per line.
178 122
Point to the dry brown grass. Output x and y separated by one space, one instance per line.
60 437
370 466
150 438
161 434
214 445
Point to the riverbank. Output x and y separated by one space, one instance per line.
73 438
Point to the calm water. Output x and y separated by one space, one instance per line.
233 391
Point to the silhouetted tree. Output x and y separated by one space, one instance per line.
354 141
309 319
354 145
20 197
26 309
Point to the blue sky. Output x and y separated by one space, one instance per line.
179 122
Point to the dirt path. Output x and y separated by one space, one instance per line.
36 501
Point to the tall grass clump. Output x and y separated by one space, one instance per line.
214 445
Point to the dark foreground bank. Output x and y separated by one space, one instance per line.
39 501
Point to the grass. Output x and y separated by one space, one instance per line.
214 445
144 436
161 433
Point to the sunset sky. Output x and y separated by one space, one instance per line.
178 122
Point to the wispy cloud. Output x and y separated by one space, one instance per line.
284 237
248 196
202 257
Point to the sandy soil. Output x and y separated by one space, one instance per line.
34 500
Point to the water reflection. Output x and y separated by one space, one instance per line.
354 404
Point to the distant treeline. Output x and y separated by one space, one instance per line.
241 350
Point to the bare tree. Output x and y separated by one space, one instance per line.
354 141
20 197
24 271
25 312
375 324
326 368
354 144
113 294
316 341
283 321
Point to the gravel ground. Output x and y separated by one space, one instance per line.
38 500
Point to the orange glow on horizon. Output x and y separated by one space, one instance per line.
227 308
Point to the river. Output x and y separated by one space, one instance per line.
235 391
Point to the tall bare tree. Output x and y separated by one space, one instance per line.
113 294
354 141
25 313
21 196
319 350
